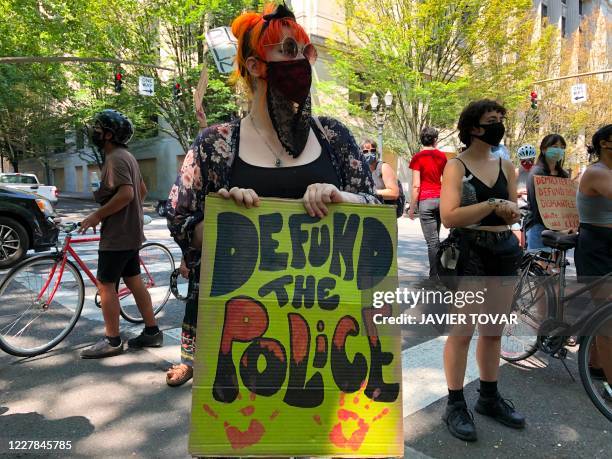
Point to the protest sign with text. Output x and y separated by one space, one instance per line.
288 362
556 198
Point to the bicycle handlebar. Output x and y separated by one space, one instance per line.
71 226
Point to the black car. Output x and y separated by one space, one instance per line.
26 222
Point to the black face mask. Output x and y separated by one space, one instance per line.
291 78
97 138
493 133
288 100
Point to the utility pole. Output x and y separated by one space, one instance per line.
575 75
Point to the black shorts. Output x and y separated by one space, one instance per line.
115 264
593 255
486 253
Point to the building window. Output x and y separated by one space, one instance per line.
580 7
563 21
564 2
544 11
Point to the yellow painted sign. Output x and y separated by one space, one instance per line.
288 361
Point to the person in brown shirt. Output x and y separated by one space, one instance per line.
121 196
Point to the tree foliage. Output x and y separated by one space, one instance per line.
435 56
42 105
577 122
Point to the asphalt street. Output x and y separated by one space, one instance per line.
122 407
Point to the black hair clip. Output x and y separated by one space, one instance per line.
280 12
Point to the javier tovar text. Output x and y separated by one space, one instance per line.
459 299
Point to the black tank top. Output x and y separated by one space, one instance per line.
285 182
474 191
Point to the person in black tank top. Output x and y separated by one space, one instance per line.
285 182
278 150
478 203
473 185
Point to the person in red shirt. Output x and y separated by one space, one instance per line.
427 167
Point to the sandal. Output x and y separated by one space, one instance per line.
184 373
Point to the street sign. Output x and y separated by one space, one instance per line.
579 93
224 47
146 86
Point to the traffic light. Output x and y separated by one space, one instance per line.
176 92
118 82
534 99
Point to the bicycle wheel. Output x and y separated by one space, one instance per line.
532 302
32 323
596 350
156 267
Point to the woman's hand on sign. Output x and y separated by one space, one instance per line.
242 196
318 195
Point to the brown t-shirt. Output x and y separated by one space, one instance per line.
122 230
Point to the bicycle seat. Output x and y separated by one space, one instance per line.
559 241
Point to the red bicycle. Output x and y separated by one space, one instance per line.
42 297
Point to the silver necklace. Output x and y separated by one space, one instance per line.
278 162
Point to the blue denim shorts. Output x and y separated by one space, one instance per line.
534 239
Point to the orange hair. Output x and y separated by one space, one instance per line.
249 26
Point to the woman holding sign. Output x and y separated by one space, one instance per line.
549 163
278 150
478 201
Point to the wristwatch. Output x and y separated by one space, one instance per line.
492 202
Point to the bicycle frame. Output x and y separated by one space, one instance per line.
561 299
68 250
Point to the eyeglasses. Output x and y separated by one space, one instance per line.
371 150
291 49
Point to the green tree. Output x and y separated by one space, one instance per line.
33 112
165 33
435 56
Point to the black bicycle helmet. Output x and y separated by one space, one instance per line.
117 124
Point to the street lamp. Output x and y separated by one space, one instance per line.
380 116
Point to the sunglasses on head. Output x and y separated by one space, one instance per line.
371 150
291 49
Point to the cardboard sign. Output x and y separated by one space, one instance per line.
556 198
285 363
224 48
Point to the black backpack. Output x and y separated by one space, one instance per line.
400 201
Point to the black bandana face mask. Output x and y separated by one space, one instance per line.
97 138
288 99
493 133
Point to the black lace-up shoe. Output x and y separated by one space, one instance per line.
460 421
144 340
500 409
